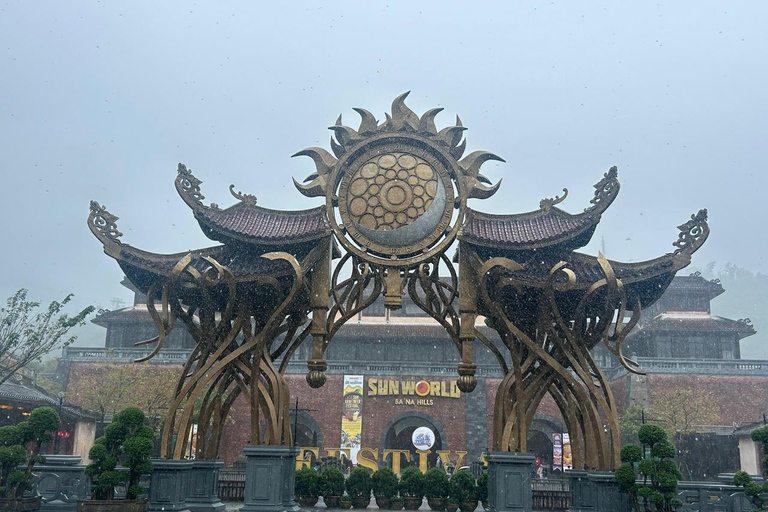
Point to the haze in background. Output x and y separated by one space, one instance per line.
101 101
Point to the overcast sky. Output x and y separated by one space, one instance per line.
101 100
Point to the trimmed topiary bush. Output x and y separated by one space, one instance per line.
127 441
659 473
385 483
436 483
331 482
412 483
307 483
463 486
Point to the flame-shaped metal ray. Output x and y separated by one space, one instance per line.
402 116
368 123
315 188
344 134
324 161
337 148
480 191
458 150
427 121
472 162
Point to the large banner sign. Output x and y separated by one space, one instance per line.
557 451
567 455
352 415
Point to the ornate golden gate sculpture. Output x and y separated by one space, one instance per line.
396 197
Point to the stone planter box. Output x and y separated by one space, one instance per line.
112 506
21 504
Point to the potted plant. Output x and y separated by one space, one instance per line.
13 453
307 487
345 501
396 502
464 489
127 441
436 488
412 487
451 504
384 482
482 490
331 486
359 487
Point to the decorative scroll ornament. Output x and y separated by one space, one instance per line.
396 192
605 190
103 224
692 233
189 185
745 321
248 199
548 203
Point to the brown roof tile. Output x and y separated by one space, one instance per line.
538 229
263 226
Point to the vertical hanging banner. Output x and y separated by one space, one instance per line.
557 451
567 455
352 415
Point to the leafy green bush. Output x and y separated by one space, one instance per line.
482 487
359 483
463 486
384 482
127 440
436 483
307 483
660 474
13 452
751 488
331 482
412 483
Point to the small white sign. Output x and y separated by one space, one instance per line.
423 438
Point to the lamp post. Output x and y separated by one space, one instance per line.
57 439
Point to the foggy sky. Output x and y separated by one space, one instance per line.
101 100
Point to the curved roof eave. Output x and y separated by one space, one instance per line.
245 222
547 227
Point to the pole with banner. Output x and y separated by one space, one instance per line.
352 415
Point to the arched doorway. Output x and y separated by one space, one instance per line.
397 435
540 438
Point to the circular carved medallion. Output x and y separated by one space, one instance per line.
395 201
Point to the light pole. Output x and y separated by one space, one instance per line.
57 439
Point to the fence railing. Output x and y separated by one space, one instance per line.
231 485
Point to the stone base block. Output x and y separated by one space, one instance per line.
170 485
61 481
203 478
509 481
269 478
596 491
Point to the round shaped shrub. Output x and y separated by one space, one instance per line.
359 483
307 483
412 483
663 450
331 482
384 482
462 486
651 434
631 453
435 483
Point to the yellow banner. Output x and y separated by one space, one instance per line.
352 415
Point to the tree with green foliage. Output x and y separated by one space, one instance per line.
127 440
658 471
27 334
436 484
358 483
752 489
384 482
14 440
412 483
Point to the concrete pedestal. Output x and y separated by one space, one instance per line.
583 495
509 481
596 491
170 485
61 481
269 478
202 486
